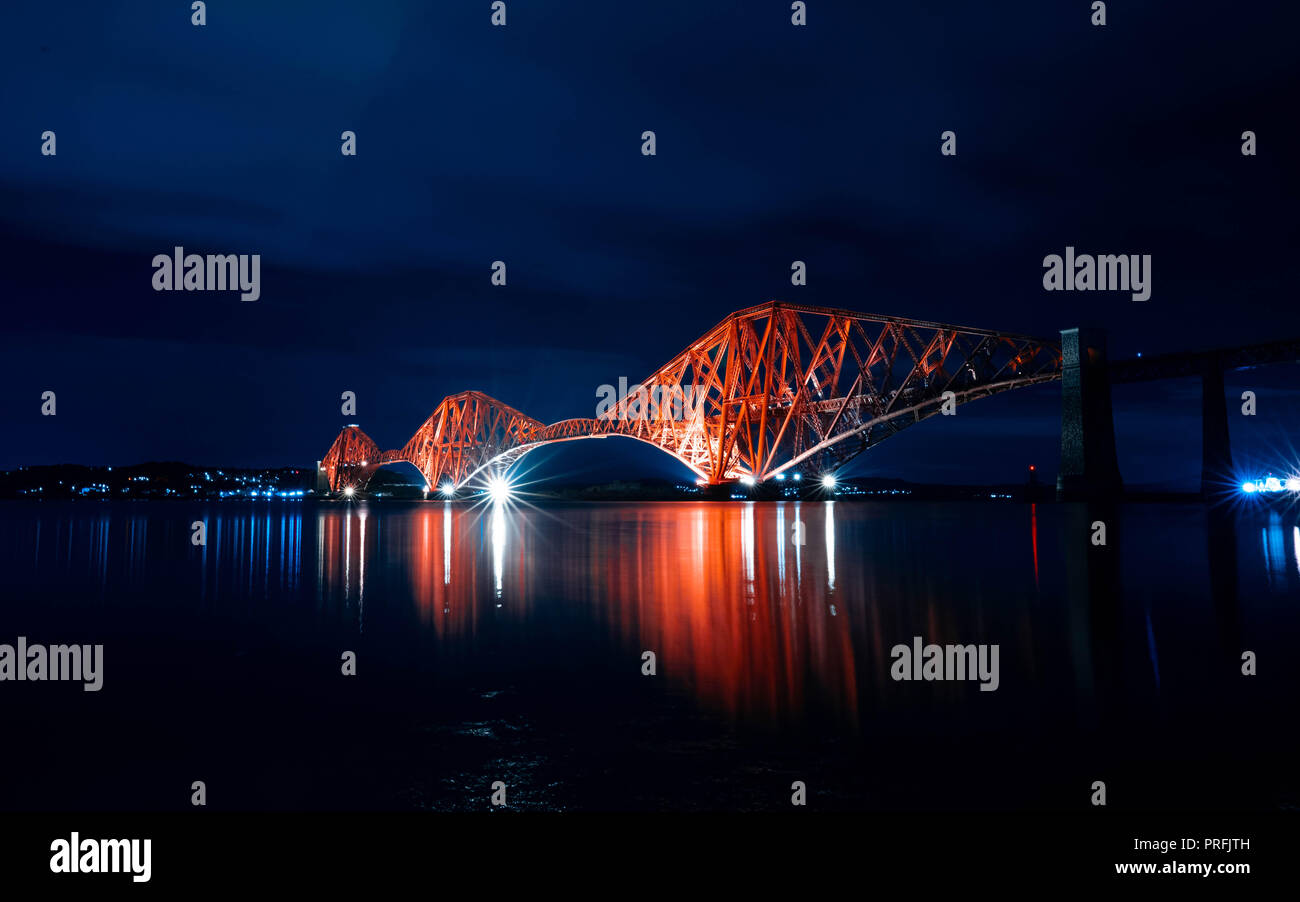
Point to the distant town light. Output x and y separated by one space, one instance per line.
781 477
1271 485
798 476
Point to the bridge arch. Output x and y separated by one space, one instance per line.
403 466
768 388
876 430
505 461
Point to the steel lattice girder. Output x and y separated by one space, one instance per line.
768 388
351 460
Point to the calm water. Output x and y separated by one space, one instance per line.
506 644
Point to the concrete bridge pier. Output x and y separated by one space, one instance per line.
1216 450
1089 467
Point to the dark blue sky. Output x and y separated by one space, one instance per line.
522 143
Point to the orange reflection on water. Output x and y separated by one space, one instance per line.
722 609
737 602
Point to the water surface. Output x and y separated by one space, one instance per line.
508 644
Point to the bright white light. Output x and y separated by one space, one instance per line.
828 481
498 546
1293 485
448 489
363 463
1248 487
349 491
1272 484
747 480
498 489
798 476
780 476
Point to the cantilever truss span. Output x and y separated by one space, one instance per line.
769 388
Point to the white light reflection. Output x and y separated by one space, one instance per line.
747 548
830 545
798 551
361 569
498 544
446 543
780 544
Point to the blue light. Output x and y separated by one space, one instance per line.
1272 484
1248 487
798 476
780 476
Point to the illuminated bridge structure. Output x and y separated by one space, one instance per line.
769 388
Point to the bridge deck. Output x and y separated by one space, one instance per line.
1196 363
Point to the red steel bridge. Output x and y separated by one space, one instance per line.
770 388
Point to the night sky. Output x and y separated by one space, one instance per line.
523 144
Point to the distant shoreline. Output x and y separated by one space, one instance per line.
175 481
